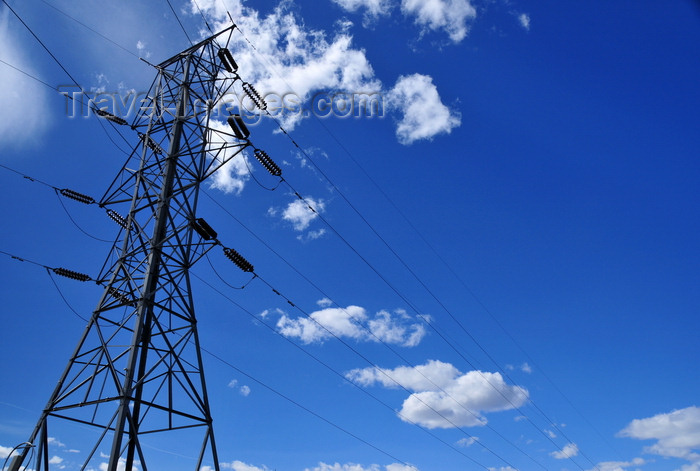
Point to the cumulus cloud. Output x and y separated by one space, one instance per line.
423 115
325 302
618 465
524 20
454 17
233 170
5 451
300 214
569 451
373 9
291 60
400 467
21 98
466 442
356 467
241 466
353 322
441 392
677 434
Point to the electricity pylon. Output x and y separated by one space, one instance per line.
135 383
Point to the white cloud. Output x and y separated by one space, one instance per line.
325 302
22 99
313 235
121 465
232 176
373 8
400 467
524 20
424 115
56 460
56 442
569 451
141 48
356 467
343 467
503 468
397 328
442 392
241 466
452 16
5 451
618 465
243 390
291 60
392 328
299 213
466 442
525 368
677 434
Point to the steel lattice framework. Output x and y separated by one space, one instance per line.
135 381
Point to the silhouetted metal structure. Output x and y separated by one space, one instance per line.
135 382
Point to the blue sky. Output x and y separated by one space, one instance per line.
525 213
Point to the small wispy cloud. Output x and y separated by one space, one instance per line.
397 327
454 17
524 20
373 9
568 451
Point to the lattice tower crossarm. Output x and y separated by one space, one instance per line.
135 382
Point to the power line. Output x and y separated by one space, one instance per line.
91 29
59 271
41 43
346 379
196 3
363 357
401 261
179 22
29 75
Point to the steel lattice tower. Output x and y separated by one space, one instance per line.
135 381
